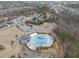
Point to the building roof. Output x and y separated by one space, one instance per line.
39 18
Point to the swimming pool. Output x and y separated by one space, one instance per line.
40 40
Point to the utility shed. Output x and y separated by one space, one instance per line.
24 39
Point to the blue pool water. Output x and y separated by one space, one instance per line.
41 39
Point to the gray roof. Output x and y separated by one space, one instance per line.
39 18
24 39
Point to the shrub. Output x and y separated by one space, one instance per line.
2 47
